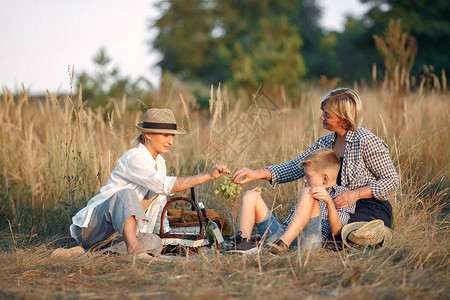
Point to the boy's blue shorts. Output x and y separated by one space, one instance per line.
310 237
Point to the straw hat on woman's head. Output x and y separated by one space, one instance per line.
159 121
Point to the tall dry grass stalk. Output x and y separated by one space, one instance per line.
57 153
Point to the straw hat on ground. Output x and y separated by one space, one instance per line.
159 121
371 233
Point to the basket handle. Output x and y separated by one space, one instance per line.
199 214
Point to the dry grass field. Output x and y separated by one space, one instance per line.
56 153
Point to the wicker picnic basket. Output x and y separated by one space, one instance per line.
187 228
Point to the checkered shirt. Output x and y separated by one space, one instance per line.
366 162
343 213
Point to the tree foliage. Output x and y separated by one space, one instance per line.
246 42
427 21
185 39
354 51
399 50
107 82
280 42
273 57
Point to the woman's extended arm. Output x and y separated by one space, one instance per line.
282 173
184 183
246 175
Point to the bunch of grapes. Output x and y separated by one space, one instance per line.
227 188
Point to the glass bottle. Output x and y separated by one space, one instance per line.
211 226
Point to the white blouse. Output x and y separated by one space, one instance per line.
137 170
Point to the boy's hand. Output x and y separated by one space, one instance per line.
320 193
218 171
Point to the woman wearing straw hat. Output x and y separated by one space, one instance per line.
366 167
135 194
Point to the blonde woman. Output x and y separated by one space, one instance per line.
136 192
366 168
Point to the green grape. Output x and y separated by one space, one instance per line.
227 188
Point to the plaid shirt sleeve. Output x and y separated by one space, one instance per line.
378 161
291 171
367 163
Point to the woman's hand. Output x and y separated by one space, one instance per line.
184 183
346 198
218 171
320 193
246 175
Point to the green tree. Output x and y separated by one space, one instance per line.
229 40
243 22
93 86
399 50
315 48
355 51
185 39
428 21
107 82
272 58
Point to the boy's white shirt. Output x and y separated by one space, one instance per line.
137 170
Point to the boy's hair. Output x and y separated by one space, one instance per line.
321 160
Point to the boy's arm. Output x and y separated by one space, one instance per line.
333 217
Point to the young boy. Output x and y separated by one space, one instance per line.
313 218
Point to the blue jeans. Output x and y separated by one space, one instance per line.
310 237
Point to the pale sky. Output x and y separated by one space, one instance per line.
39 39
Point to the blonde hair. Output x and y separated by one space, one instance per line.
140 139
346 104
322 160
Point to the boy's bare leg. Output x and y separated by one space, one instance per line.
306 209
253 209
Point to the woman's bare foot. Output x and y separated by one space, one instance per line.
129 237
135 249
